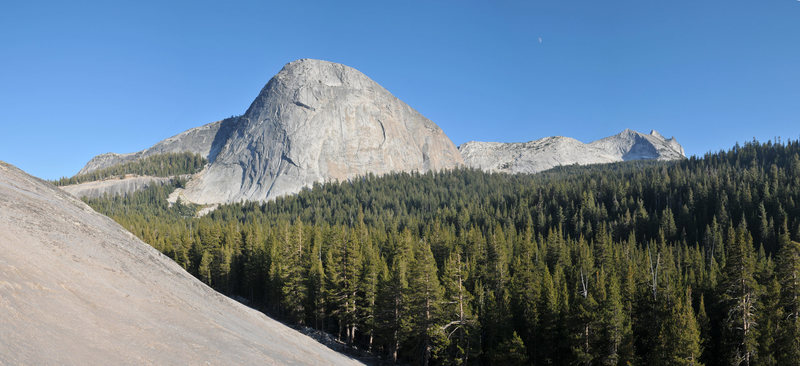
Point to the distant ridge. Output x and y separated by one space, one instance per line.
549 152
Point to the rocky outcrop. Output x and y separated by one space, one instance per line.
78 289
315 121
113 186
549 152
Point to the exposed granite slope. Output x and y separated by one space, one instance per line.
78 289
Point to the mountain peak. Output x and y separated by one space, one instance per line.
627 134
313 63
313 73
318 121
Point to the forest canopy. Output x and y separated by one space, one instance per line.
689 262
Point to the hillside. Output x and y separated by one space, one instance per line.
76 288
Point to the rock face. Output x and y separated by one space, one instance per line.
314 121
76 288
549 152
317 121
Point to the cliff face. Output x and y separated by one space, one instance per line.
318 121
549 152
315 121
76 288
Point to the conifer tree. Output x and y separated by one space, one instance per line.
423 311
344 267
457 314
770 316
788 274
739 293
316 283
511 352
550 315
704 323
525 292
679 337
612 325
204 268
292 272
367 289
392 291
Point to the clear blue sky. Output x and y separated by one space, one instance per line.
81 78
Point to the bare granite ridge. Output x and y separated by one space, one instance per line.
549 152
78 289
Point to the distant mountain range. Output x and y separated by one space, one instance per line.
549 152
318 121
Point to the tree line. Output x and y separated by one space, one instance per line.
160 165
692 262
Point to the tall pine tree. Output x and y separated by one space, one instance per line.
739 293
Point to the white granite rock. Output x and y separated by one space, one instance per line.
318 121
549 152
78 289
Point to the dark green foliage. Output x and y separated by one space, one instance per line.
457 313
788 309
679 337
291 271
739 294
686 262
511 352
161 165
425 331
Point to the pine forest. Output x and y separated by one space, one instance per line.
694 262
